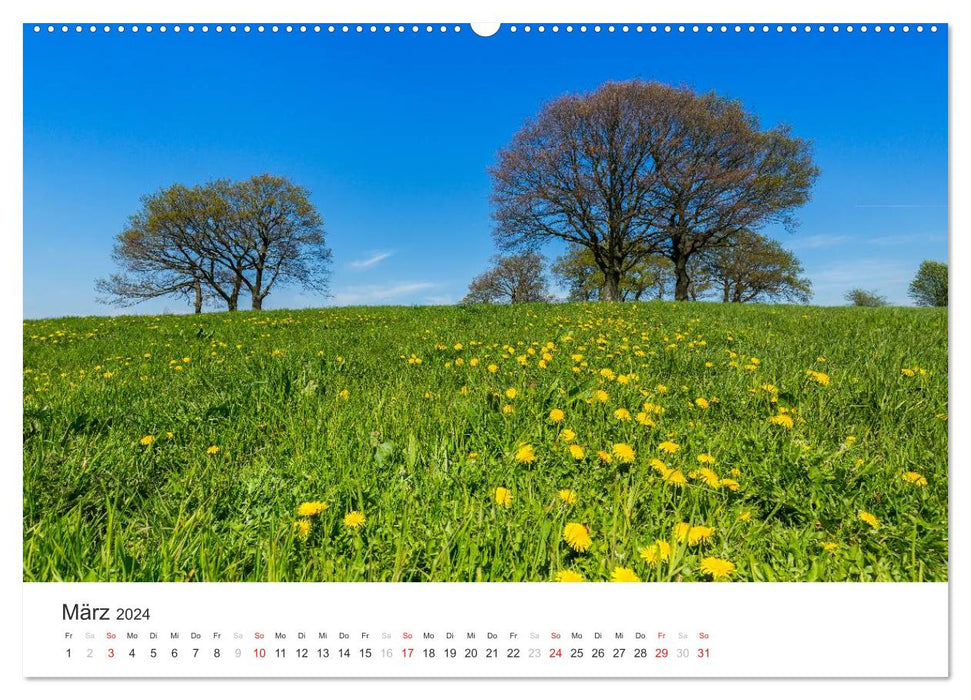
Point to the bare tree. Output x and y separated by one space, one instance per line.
514 279
640 168
582 171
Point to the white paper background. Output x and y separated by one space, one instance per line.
601 11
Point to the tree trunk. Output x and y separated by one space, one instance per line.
233 302
258 290
611 290
725 292
681 280
197 287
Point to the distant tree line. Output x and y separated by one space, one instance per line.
218 241
757 270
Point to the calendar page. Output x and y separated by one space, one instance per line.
516 350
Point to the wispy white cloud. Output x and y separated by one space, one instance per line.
887 277
369 262
906 238
899 206
440 299
820 240
379 293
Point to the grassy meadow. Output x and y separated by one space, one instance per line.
658 442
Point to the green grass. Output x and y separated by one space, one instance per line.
419 449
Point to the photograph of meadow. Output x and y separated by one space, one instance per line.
649 319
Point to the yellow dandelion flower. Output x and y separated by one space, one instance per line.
577 452
511 393
601 396
701 402
302 528
915 478
820 378
556 416
493 368
658 466
577 536
669 447
869 518
680 531
354 519
784 420
212 449
503 496
622 574
343 394
661 389
310 508
604 456
623 452
829 546
717 568
708 476
907 372
569 576
622 414
567 435
568 496
659 551
525 454
147 440
699 533
650 554
507 409
675 477
170 435
705 458
745 515
729 484
644 419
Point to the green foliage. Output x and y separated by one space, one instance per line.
862 297
929 287
643 277
513 279
420 447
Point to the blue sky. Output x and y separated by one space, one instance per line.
393 133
